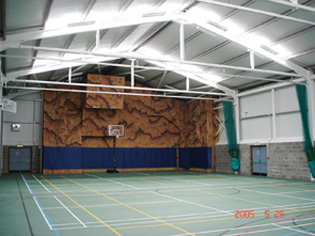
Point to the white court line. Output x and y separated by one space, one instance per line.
165 218
114 204
248 227
109 180
291 229
71 212
41 184
41 211
277 194
205 232
195 204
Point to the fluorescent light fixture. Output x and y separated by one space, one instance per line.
217 25
153 14
63 21
232 27
81 23
268 49
204 14
281 51
255 40
137 11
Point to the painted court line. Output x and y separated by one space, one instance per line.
70 212
292 229
195 204
277 194
115 204
250 227
109 180
86 210
41 183
130 207
40 207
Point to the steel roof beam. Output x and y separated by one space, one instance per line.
258 11
193 76
150 58
72 84
288 64
16 39
294 5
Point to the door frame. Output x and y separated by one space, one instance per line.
251 157
20 148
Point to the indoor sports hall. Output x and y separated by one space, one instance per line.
157 117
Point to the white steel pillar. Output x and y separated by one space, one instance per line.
237 118
311 97
273 122
182 42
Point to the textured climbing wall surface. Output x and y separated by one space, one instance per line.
102 100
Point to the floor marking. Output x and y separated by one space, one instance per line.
70 212
109 180
214 194
291 228
40 207
195 204
41 183
123 204
86 210
109 205
277 194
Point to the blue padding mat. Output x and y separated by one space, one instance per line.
102 158
145 157
58 158
55 158
201 157
97 158
184 157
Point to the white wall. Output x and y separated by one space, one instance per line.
269 116
29 116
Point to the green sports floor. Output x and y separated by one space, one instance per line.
154 203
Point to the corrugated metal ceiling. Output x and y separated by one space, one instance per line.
44 38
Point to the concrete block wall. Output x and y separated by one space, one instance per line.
36 156
223 159
286 160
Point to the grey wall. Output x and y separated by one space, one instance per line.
29 116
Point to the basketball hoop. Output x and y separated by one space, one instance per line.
116 130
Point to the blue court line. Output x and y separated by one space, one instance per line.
298 232
41 208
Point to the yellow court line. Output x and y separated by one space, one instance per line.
86 210
217 194
130 207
